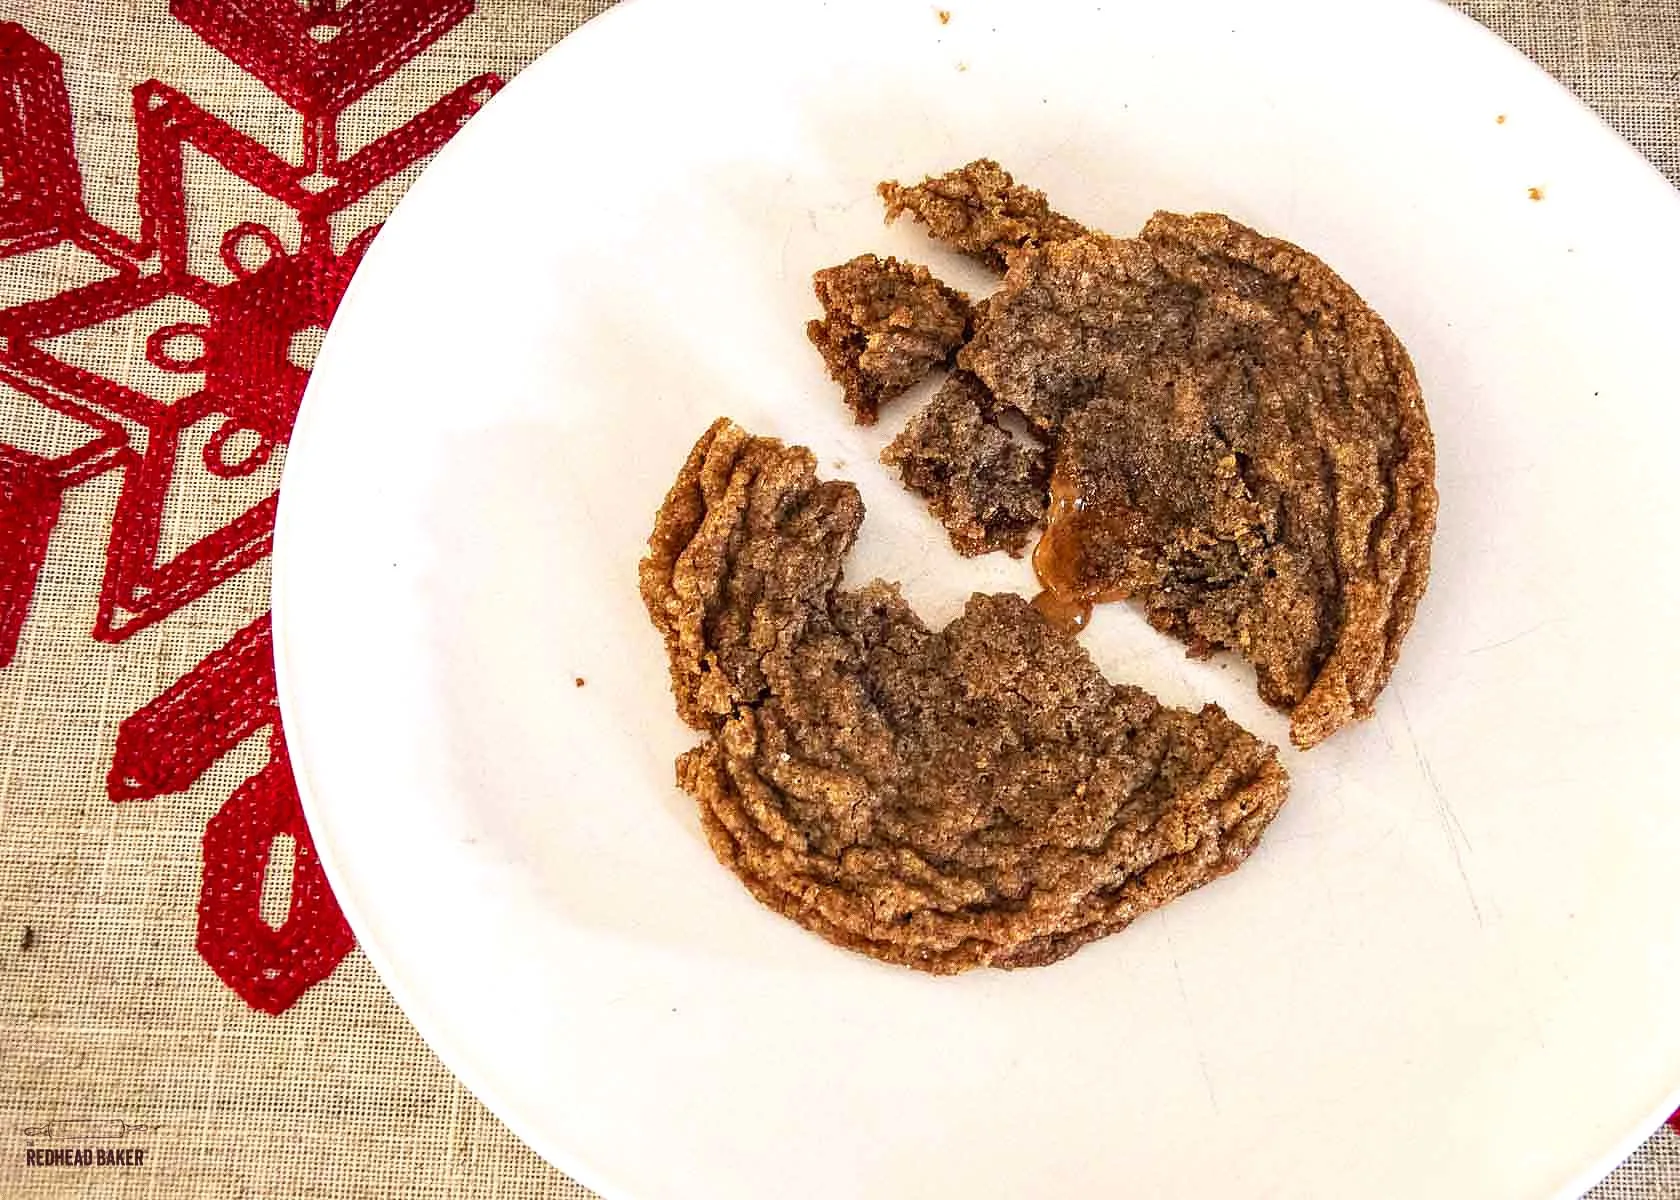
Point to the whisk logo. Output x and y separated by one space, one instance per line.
84 1142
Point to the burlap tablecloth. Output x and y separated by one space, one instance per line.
108 1012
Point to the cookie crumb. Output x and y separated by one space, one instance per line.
1500 118
579 681
1536 193
944 15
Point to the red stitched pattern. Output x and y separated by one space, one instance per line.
173 740
318 56
269 967
29 496
170 742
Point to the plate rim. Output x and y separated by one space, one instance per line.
434 1027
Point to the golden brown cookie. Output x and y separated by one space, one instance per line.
973 796
1239 444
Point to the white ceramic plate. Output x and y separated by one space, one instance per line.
1453 968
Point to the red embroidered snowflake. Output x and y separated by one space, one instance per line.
318 56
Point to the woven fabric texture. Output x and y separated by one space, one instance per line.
109 1015
1621 56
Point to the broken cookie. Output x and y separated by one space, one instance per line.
973 796
886 325
1239 444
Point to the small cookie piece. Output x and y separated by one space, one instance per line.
988 489
886 325
980 210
